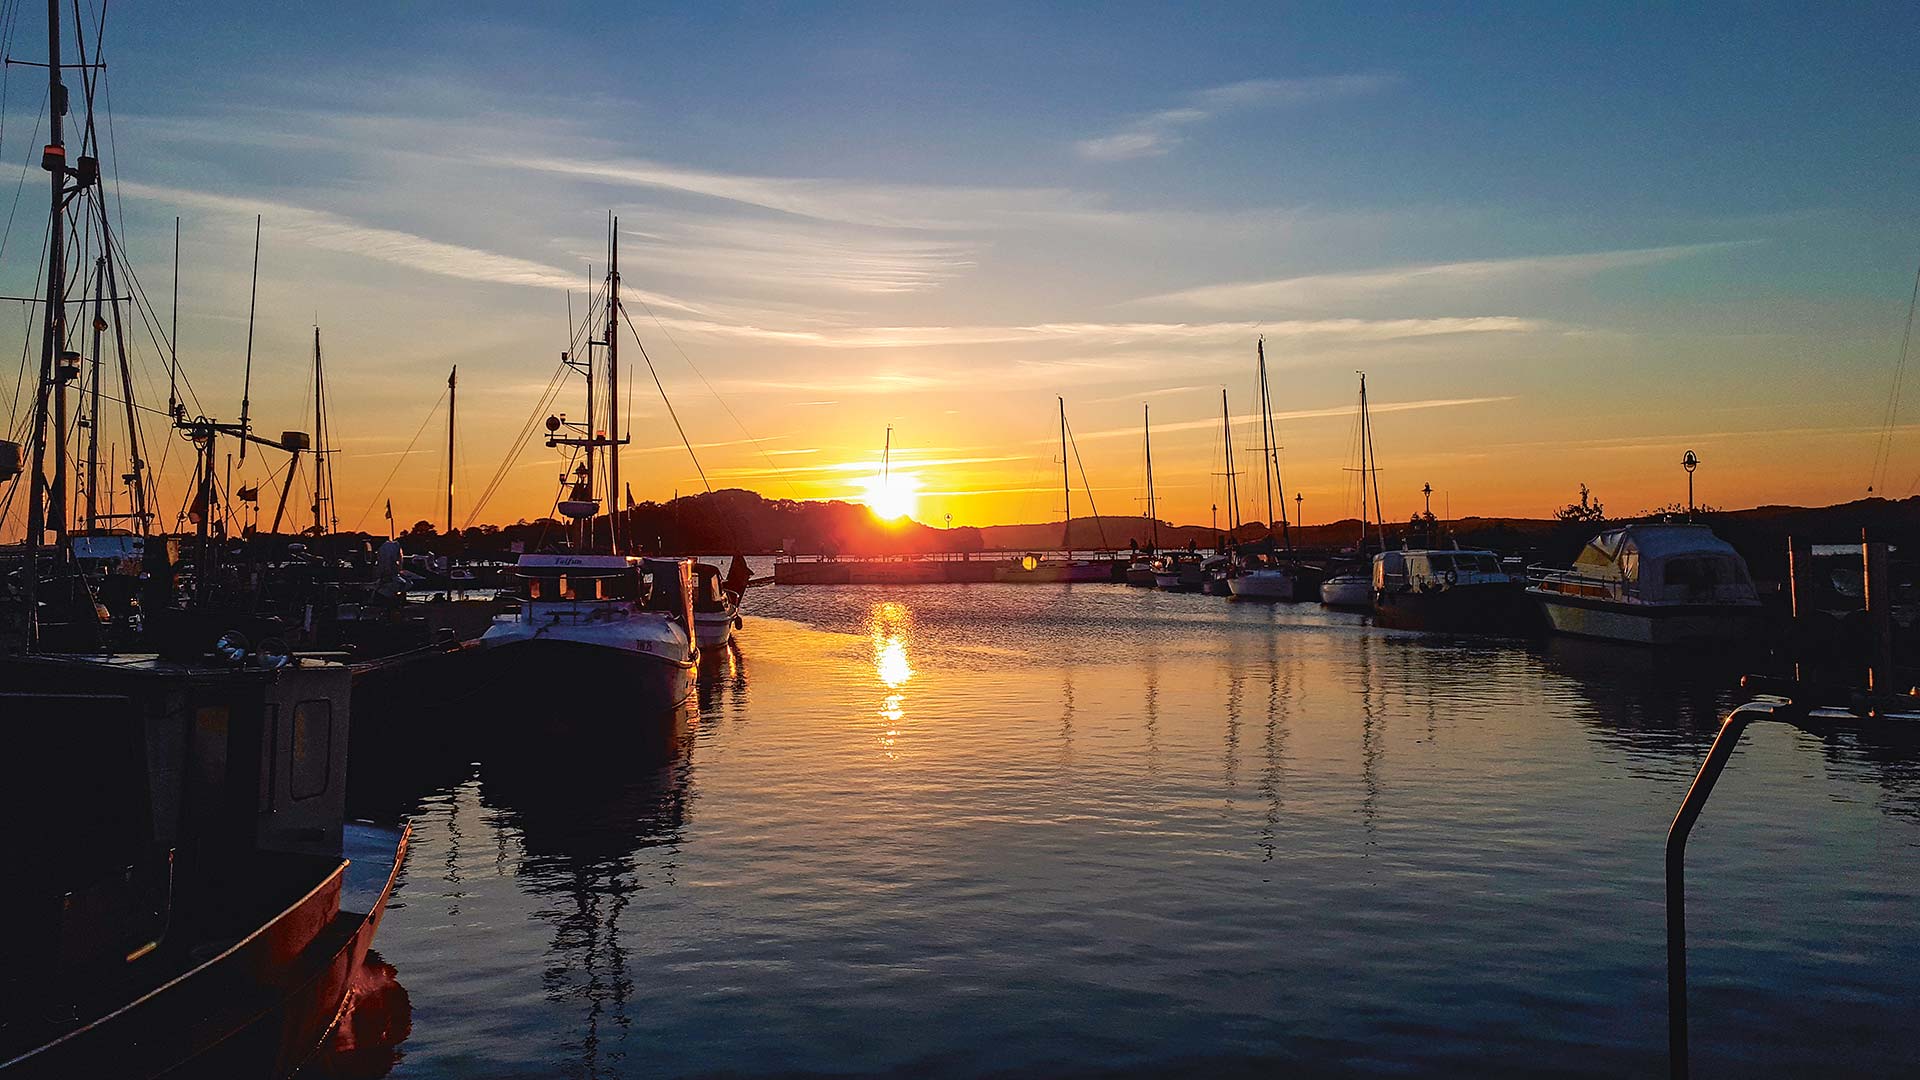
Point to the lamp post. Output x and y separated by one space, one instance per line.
1299 516
1690 462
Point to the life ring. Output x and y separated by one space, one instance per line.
1450 577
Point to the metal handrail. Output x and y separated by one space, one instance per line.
1766 708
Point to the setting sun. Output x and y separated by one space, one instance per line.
892 497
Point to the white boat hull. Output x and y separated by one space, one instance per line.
713 629
1347 592
1262 585
642 659
1649 624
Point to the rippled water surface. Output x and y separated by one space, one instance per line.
1089 830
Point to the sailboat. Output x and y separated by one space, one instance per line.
1032 568
1140 570
597 617
1353 589
1259 576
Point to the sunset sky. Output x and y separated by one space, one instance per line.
1566 245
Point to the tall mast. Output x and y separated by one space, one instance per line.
93 405
452 379
613 388
319 439
1266 434
1153 513
886 463
1233 488
173 336
246 386
1066 483
53 324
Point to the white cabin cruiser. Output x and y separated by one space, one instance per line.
1652 585
612 621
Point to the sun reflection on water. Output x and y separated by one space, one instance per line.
890 625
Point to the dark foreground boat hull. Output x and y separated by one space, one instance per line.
259 1008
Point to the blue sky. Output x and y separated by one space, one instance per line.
1566 242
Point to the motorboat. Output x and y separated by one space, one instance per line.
1439 589
1179 572
716 602
617 622
1350 589
1262 583
1653 584
185 895
1140 572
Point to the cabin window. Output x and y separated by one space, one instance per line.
1699 574
312 757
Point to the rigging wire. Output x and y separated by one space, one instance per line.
435 411
1097 523
1883 454
669 401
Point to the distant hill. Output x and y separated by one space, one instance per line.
737 520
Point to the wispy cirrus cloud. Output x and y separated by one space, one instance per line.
1250 419
1156 133
794 254
1316 290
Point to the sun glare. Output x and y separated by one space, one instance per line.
892 497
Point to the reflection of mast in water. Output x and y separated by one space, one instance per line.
1066 717
582 820
1369 744
452 875
1230 752
722 682
1153 718
1273 777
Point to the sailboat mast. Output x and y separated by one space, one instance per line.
1233 488
1153 513
1066 484
1368 466
319 439
93 404
53 323
452 382
1266 433
613 386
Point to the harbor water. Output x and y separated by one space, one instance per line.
1087 830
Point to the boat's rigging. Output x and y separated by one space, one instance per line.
668 402
404 454
1883 453
1098 525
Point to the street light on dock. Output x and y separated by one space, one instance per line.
1690 461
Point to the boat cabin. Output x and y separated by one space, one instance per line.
1657 564
1429 570
664 585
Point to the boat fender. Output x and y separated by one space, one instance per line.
736 622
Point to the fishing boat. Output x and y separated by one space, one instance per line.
1654 584
185 896
1459 590
604 620
596 616
1351 588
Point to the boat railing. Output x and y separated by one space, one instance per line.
1574 583
1817 720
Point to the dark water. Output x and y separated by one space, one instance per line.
1087 830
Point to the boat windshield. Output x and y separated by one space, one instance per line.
574 585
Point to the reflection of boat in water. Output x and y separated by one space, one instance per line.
608 621
1653 585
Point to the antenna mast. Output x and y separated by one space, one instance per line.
246 387
613 389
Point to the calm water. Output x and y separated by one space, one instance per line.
1087 830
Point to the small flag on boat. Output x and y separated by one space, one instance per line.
629 496
389 509
249 494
